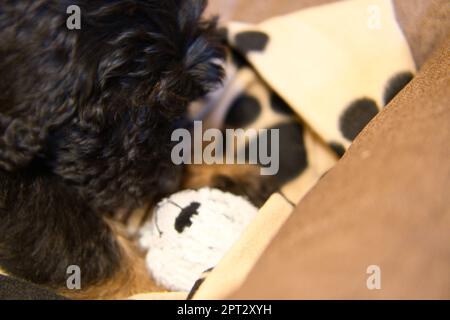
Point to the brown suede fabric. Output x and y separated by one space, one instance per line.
425 24
386 203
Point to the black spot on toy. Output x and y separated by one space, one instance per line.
396 84
356 117
247 41
337 148
244 110
183 220
292 151
279 105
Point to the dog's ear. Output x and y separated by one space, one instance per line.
190 11
200 69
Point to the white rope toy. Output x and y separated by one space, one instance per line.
190 232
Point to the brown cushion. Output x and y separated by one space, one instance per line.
15 289
425 24
386 203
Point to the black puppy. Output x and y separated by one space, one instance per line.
85 123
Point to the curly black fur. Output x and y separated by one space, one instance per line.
85 122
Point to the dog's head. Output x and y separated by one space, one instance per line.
103 100
158 54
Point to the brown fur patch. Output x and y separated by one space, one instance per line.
244 180
132 278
